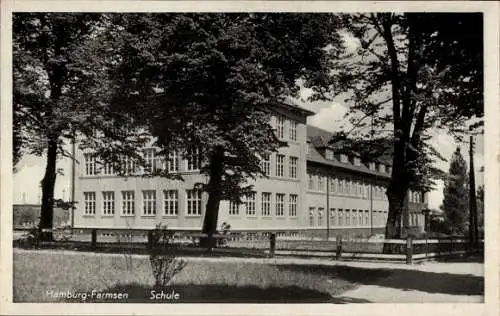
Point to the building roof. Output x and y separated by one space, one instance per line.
319 139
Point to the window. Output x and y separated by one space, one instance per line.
310 184
360 217
89 198
329 154
234 208
250 204
292 208
347 218
371 165
149 159
280 126
344 158
128 203
171 202
108 203
367 218
341 217
357 161
280 160
354 218
333 219
321 212
265 164
108 169
266 204
382 168
90 164
149 202
193 160
293 131
389 169
293 167
280 204
335 185
311 216
193 202
321 183
308 148
130 166
173 162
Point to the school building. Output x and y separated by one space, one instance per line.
310 189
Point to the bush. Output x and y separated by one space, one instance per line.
164 265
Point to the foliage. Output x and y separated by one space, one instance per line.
456 192
209 83
55 94
410 74
164 265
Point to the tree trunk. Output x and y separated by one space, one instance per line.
214 197
48 184
396 194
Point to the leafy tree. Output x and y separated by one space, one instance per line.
411 73
54 93
209 82
456 192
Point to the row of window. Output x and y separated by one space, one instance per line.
192 163
350 186
193 203
282 132
127 205
348 217
346 185
153 162
280 202
280 171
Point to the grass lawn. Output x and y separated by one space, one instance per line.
36 273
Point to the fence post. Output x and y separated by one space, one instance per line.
93 240
426 248
272 246
338 250
150 239
409 250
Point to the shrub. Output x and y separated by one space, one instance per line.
164 265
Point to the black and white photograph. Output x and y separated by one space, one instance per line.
248 156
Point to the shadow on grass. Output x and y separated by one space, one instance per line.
446 283
196 293
475 258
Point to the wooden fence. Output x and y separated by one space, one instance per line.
272 244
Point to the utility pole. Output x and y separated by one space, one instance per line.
371 206
73 175
328 207
473 229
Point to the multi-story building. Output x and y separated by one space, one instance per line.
106 200
346 196
310 189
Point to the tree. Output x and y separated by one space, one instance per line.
480 207
456 192
411 73
54 93
207 83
